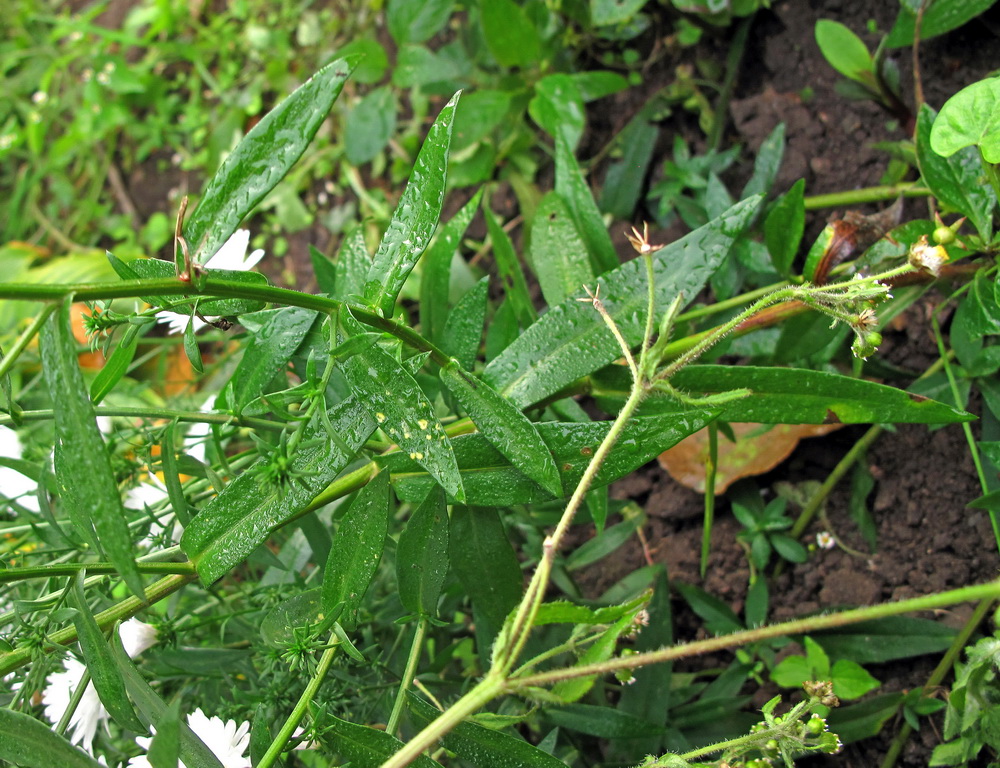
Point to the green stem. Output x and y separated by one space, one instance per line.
25 338
484 692
74 702
990 590
71 569
867 195
411 668
126 608
943 668
215 286
224 419
706 529
737 47
278 745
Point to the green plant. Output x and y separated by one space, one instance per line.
763 532
360 469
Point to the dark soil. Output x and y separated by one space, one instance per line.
928 540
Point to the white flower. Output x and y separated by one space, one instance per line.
136 637
927 257
14 485
233 256
227 741
825 540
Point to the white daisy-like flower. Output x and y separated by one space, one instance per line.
227 741
14 485
825 540
233 256
90 712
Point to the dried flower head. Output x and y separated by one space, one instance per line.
928 257
641 242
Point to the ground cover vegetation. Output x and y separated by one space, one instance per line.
339 509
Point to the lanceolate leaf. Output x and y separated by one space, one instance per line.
422 555
240 519
27 741
363 746
116 366
571 340
193 751
402 410
479 546
86 483
262 159
489 478
786 396
357 550
484 747
269 350
507 429
436 277
558 255
463 331
572 188
351 265
515 286
415 217
100 662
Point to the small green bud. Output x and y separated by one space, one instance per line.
816 725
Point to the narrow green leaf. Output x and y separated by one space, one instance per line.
489 478
786 396
83 469
557 107
171 474
604 543
193 751
510 35
31 743
511 274
191 348
415 218
238 520
262 159
601 650
363 746
571 340
955 179
718 617
422 556
269 350
558 254
602 722
435 280
324 271
939 17
881 640
357 550
351 265
100 662
767 164
572 187
564 612
165 750
784 226
864 720
479 545
505 426
843 49
116 366
402 410
463 331
484 747
624 179
370 125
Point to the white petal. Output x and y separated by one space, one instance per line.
178 323
233 254
137 636
89 713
